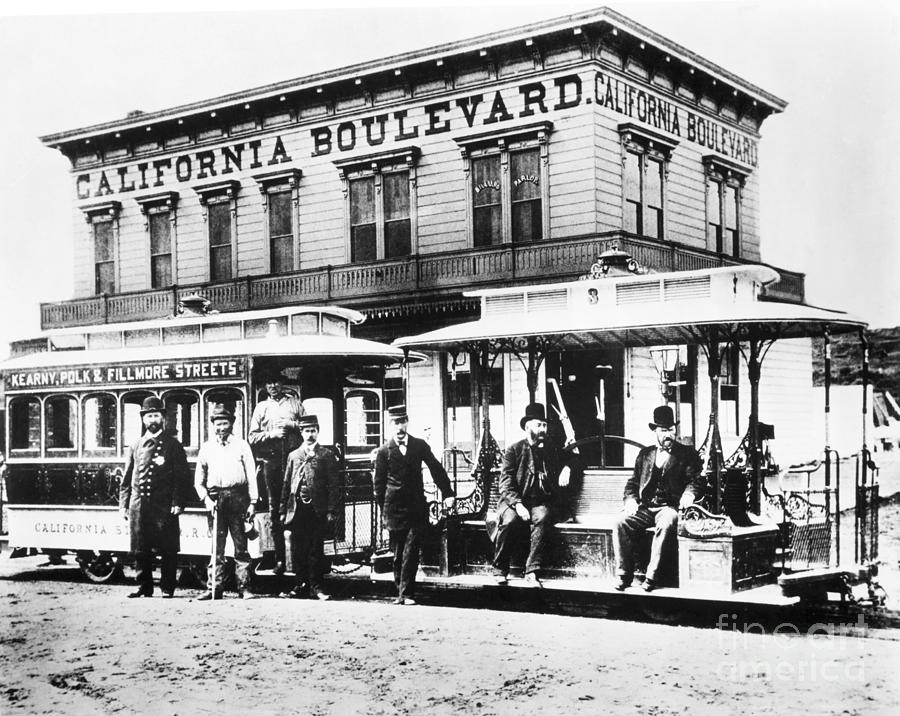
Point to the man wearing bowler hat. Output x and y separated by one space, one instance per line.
151 497
400 493
274 433
666 478
225 479
309 504
531 474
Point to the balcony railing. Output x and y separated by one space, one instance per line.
378 283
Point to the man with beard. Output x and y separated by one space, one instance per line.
666 478
400 493
152 496
308 507
274 433
531 474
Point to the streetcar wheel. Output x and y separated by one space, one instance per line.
99 567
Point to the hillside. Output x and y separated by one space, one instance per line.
846 360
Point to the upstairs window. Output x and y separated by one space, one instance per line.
724 189
281 197
220 213
507 184
645 157
381 204
103 220
159 215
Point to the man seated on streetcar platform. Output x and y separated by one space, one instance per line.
531 477
274 433
667 477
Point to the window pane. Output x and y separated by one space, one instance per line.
161 269
362 243
653 226
160 238
362 410
632 177
105 278
362 201
103 241
220 263
526 221
182 418
525 174
633 221
219 224
60 416
282 254
397 239
486 181
396 196
731 207
487 225
653 184
25 424
280 215
713 214
100 422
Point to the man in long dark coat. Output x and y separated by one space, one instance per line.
400 493
152 495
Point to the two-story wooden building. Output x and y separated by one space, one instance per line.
395 186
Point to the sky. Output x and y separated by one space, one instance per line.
829 169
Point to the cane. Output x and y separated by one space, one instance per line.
215 540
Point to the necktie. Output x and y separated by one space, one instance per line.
402 445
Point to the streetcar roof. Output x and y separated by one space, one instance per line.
651 309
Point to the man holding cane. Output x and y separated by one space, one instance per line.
225 480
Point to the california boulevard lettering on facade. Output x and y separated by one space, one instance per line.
128 373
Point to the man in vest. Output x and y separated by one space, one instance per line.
400 494
152 496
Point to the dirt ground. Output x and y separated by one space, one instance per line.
67 646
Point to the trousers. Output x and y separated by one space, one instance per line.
629 528
405 543
231 506
509 523
307 537
273 475
143 564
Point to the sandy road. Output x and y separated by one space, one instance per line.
71 647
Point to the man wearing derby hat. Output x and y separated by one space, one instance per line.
531 474
666 478
400 493
274 433
309 504
225 479
151 497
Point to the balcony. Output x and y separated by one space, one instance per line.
381 283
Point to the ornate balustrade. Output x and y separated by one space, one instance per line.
433 274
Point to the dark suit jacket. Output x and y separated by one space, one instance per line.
321 474
399 490
157 478
517 475
680 473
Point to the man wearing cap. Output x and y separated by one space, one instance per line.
530 477
666 478
400 493
151 497
225 479
274 433
309 504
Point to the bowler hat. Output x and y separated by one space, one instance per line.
534 411
152 404
219 412
663 417
398 413
308 421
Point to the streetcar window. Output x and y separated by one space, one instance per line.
231 400
99 418
142 338
183 418
108 339
363 415
181 334
304 324
259 327
61 412
332 326
132 426
221 332
25 423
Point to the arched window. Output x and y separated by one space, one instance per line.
362 409
25 423
60 422
183 418
99 423
131 415
231 399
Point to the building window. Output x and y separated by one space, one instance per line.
645 157
281 199
724 188
159 216
507 184
103 220
220 213
381 204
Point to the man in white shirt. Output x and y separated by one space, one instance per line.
225 480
